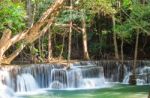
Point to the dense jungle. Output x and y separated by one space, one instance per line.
82 29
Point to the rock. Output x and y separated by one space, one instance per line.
132 80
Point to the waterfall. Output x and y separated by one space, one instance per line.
58 78
5 91
77 77
31 78
93 83
5 77
142 75
74 77
26 82
81 75
93 77
126 78
112 67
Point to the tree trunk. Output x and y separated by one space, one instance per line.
32 52
39 46
84 38
30 20
115 39
70 34
121 70
49 45
14 54
29 13
69 43
144 1
31 34
122 54
23 44
132 80
62 49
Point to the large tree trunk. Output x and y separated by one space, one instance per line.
84 38
115 39
29 35
23 44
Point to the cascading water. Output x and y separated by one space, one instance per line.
93 77
31 78
112 71
84 75
74 78
26 82
142 76
5 91
77 77
58 79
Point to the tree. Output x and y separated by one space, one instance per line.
132 26
84 37
115 39
29 35
104 7
49 45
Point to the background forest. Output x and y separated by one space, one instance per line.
84 29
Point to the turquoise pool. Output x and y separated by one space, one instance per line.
116 91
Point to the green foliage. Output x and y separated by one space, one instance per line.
41 6
124 31
140 16
127 3
68 15
97 47
13 15
96 6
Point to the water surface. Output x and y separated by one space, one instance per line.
116 91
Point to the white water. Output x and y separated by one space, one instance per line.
26 82
77 78
126 78
74 78
33 80
93 83
5 91
142 76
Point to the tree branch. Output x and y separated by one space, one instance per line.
17 51
31 34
